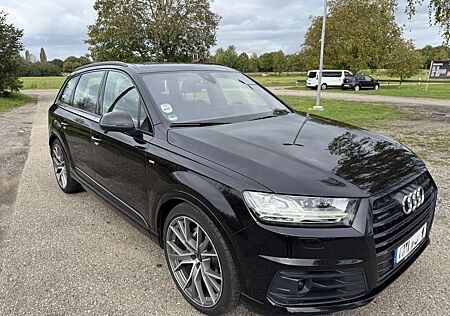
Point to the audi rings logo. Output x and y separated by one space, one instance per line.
413 200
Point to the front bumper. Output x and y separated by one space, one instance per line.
321 270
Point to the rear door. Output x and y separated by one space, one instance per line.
79 116
120 159
370 82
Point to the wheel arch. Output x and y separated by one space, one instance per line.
54 135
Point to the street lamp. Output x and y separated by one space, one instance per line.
318 107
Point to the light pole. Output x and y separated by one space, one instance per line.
322 48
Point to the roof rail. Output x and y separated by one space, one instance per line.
102 63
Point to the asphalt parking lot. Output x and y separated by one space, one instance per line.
76 255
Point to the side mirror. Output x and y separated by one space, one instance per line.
117 121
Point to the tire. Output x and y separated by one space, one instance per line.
357 88
213 264
377 87
62 172
324 86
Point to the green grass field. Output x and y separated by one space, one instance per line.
355 113
13 100
42 83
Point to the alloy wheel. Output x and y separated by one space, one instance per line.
59 165
194 261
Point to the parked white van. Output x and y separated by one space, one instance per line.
330 78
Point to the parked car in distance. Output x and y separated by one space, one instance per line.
330 78
359 82
248 198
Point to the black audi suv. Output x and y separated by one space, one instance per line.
249 198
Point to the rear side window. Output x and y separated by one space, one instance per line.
332 74
86 93
66 96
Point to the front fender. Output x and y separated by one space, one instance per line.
221 203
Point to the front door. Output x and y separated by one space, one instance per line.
120 159
79 118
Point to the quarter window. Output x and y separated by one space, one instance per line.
86 94
121 94
66 96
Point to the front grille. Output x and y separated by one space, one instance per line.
318 286
391 226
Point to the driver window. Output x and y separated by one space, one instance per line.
121 94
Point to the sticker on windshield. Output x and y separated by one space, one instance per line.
166 108
172 117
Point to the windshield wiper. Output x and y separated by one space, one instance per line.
275 113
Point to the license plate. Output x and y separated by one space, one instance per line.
410 245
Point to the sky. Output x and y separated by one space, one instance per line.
258 26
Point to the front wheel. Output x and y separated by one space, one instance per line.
324 86
200 261
357 88
377 87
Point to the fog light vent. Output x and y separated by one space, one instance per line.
301 288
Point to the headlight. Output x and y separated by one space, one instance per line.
301 209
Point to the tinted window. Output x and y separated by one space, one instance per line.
66 96
86 94
332 74
346 73
121 94
312 74
368 78
191 96
359 78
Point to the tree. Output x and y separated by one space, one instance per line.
10 46
439 12
58 63
404 61
152 30
358 35
266 62
27 56
253 63
431 53
228 57
42 56
242 62
72 62
295 62
279 62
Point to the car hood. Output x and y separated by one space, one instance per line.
329 158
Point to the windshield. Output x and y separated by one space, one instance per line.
204 96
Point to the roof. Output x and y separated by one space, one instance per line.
150 67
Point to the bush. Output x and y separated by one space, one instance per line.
27 69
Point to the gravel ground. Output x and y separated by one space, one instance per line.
76 255
15 135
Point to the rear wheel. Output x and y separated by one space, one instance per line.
324 86
61 167
377 87
200 261
357 88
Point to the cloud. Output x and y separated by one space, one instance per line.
252 26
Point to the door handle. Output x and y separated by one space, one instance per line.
96 140
64 125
